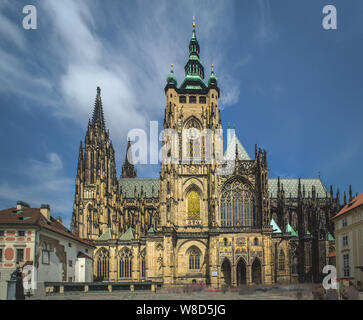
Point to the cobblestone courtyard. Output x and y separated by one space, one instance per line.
147 295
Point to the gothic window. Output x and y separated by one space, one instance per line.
282 261
237 205
194 259
103 261
294 263
192 138
256 241
193 205
143 264
125 264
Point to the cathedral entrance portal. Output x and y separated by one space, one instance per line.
226 271
241 272
256 271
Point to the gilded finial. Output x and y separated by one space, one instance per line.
172 66
193 21
212 67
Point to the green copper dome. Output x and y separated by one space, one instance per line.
212 81
171 78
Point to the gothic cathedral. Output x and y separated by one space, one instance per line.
203 220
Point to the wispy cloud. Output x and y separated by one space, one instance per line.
266 31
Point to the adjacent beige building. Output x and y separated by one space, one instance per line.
349 242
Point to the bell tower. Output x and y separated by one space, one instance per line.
188 169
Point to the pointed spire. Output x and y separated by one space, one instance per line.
345 198
98 118
128 168
350 193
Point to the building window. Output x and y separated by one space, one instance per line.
237 205
294 263
70 245
21 233
194 259
346 268
193 205
103 258
256 242
143 264
192 99
282 261
86 250
225 242
344 222
202 99
70 263
345 241
1 255
1 233
70 279
46 254
19 255
125 264
182 99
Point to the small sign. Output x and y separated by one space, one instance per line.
214 273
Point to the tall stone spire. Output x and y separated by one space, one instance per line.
98 118
128 169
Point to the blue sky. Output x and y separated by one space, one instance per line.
286 84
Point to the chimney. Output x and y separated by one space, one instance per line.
59 219
45 211
20 205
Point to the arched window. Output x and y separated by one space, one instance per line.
237 205
193 205
143 264
192 138
194 259
294 263
256 241
102 259
125 264
282 261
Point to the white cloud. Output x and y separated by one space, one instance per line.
45 184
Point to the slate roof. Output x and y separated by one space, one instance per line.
127 187
33 217
290 230
291 187
230 153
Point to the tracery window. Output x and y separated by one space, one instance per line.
194 259
125 264
282 261
103 262
193 205
192 138
143 264
237 205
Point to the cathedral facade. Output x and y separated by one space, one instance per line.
202 220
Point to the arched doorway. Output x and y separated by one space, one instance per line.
256 271
226 271
241 272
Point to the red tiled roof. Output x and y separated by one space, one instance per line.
355 203
33 217
332 254
83 255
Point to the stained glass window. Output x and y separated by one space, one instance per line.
103 264
237 205
282 261
193 205
194 259
125 264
